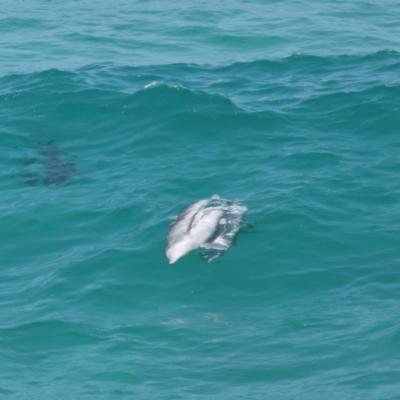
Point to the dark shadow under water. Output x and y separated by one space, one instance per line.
50 168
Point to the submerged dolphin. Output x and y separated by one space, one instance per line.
52 171
212 224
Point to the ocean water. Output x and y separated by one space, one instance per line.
114 117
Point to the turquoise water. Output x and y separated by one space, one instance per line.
115 117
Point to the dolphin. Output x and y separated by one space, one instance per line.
212 224
55 171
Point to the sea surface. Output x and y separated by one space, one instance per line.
115 116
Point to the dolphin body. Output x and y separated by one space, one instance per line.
212 224
55 172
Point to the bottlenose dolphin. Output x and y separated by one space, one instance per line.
212 224
54 171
